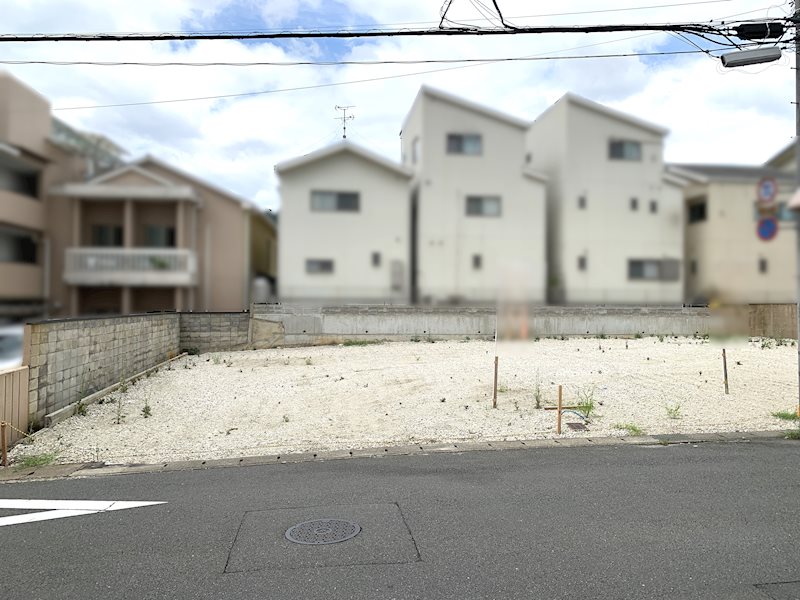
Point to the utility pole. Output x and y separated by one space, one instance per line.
797 179
344 118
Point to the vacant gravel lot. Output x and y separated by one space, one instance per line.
337 397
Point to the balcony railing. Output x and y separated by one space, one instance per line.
147 267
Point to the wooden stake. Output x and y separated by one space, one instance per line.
4 460
558 419
494 396
725 369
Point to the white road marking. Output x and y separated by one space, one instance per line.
58 509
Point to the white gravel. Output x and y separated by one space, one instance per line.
343 397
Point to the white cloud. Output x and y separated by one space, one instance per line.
714 116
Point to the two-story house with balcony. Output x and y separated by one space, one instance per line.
615 217
345 227
477 207
83 232
148 236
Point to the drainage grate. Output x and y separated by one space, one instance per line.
322 531
577 426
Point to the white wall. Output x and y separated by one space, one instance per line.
512 245
348 238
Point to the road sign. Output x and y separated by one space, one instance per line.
767 190
58 509
767 228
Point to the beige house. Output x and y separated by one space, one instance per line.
345 227
726 261
477 207
82 232
614 216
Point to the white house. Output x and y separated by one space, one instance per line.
615 218
344 227
479 209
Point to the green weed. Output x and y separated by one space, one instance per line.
786 415
673 410
586 404
630 428
36 460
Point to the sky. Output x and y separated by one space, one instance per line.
714 115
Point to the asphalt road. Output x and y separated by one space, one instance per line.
714 520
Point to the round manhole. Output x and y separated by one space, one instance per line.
322 531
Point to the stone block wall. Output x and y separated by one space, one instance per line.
213 332
72 358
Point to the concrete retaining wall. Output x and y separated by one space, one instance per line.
773 320
212 332
72 358
295 325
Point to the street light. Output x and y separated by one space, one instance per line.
763 31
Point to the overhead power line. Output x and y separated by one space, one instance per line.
371 79
349 34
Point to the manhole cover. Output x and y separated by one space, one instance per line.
577 426
322 531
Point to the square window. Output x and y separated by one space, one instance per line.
693 267
376 259
697 209
653 206
582 202
625 150
762 265
634 204
326 201
477 262
464 143
582 263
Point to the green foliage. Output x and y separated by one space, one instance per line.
661 338
147 412
285 418
631 428
586 404
80 409
193 351
415 339
216 359
309 361
637 336
362 342
119 418
123 386
502 388
794 434
786 415
36 460
602 336
674 410
537 392
767 344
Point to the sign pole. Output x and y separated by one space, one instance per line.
797 182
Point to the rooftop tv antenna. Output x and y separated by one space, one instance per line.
344 118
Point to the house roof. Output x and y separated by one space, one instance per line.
721 171
337 148
612 113
481 109
784 153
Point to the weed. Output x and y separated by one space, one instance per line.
502 388
187 365
536 339
80 409
602 336
637 336
563 338
430 340
663 442
631 428
191 351
786 415
586 401
286 362
123 386
285 418
794 434
361 342
466 339
229 363
417 357
120 416
661 338
216 358
308 361
147 411
767 344
537 392
781 342
36 460
415 339
674 410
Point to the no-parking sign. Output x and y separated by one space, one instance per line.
767 190
767 228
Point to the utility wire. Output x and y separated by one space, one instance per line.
371 79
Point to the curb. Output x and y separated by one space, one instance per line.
85 470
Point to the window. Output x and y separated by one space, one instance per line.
582 202
654 270
376 259
21 182
483 206
697 209
693 267
465 143
315 266
415 151
528 158
107 235
335 201
653 206
634 204
624 150
159 236
477 262
17 246
762 265
582 263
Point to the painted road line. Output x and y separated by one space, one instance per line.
59 509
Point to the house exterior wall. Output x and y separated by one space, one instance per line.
24 116
348 238
607 233
511 246
727 250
